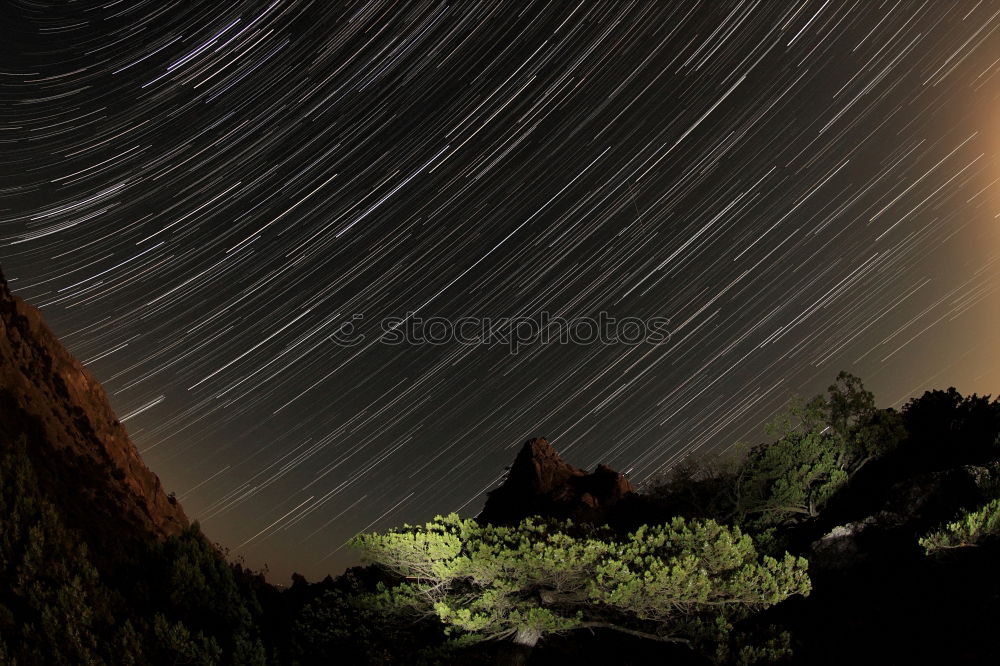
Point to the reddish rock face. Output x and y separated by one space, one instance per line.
48 397
539 470
542 483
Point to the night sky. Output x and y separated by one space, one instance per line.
200 196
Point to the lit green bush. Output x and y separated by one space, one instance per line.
680 582
972 527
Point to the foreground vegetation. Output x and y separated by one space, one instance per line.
710 562
681 581
179 601
970 529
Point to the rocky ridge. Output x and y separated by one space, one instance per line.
48 398
540 482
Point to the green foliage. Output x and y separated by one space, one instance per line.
863 431
176 643
339 626
683 581
821 444
127 646
745 650
971 528
48 586
5 657
192 582
794 476
184 604
698 487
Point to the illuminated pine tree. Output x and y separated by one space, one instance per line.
684 582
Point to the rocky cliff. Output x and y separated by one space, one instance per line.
541 483
61 411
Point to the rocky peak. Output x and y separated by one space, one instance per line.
539 470
540 482
48 398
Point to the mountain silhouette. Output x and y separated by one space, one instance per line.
79 447
542 483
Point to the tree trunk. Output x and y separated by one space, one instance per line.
516 652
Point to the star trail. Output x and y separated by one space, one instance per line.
201 197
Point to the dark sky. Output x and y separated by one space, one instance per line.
200 196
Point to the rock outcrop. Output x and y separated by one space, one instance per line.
541 483
909 508
48 399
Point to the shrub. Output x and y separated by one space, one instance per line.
680 582
971 528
